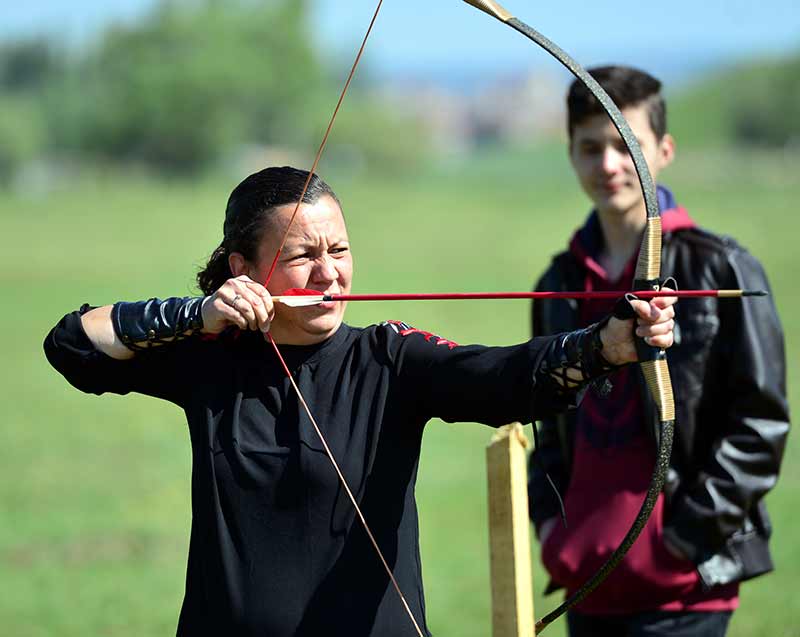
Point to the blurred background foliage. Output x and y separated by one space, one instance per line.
194 83
180 90
752 105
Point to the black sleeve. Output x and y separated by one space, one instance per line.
163 372
474 383
745 458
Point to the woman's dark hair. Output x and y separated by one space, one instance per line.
626 86
249 207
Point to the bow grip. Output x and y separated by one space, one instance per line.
655 369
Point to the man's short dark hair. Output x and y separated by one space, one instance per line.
626 86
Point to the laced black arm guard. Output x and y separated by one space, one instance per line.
575 359
145 324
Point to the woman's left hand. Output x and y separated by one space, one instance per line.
655 323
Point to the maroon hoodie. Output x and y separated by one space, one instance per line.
613 461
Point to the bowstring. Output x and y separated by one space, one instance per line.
346 487
285 367
324 142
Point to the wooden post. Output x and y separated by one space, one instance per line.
509 534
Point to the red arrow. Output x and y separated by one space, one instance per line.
300 297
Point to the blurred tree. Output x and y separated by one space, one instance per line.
752 105
380 136
27 65
190 82
22 134
189 85
766 114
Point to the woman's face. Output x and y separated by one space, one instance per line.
316 256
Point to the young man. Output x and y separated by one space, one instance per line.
709 530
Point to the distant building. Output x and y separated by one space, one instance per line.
515 109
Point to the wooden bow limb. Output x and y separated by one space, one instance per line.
653 362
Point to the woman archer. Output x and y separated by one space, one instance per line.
275 546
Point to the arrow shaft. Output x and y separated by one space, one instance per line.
611 294
643 294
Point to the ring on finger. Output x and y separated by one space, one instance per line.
235 298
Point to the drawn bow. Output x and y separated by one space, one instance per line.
653 361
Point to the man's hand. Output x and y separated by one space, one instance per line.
654 323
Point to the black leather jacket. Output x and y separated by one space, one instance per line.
728 374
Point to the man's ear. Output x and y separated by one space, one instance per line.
238 264
666 150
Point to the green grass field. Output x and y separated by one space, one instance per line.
95 491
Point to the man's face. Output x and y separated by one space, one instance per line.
316 256
604 167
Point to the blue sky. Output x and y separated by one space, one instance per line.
447 32
449 35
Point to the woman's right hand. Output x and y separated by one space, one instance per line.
240 302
